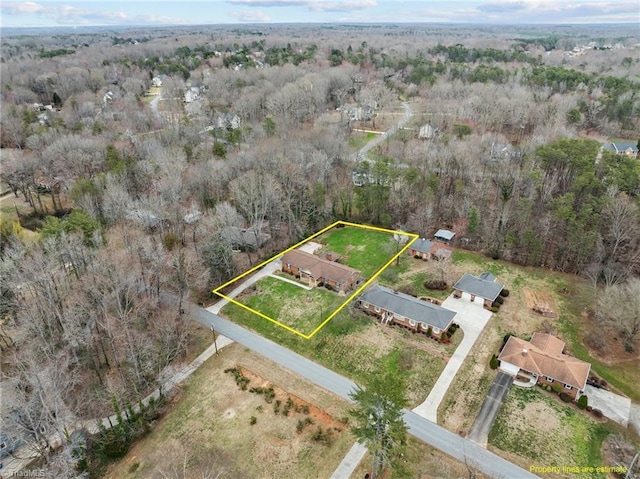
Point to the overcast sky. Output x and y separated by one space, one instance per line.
165 12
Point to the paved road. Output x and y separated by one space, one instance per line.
434 435
472 318
479 432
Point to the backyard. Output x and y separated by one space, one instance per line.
360 248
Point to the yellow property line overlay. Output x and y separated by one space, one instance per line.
216 291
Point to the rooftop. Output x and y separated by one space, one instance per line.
484 286
409 306
543 356
319 267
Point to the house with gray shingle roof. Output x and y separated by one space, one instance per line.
627 148
407 311
480 289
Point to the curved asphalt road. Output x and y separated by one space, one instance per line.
427 431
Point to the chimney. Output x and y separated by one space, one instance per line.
525 351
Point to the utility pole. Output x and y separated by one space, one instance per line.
215 344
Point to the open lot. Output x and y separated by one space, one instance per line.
209 427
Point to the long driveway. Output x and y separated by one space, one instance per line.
362 154
427 431
479 432
472 318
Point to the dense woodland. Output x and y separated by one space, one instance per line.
131 197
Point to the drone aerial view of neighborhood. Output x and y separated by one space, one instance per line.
333 239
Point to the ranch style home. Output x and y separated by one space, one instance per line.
427 249
407 311
542 360
481 289
317 271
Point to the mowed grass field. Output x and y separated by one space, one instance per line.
361 248
296 307
537 429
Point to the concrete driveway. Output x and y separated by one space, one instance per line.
472 318
479 432
616 408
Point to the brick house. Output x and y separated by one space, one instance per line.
427 249
483 289
317 271
542 360
404 310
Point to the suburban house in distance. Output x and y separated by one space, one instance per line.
481 289
444 235
407 311
627 148
542 360
244 239
427 249
316 271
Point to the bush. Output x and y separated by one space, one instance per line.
276 406
504 293
597 413
500 300
494 309
582 402
493 362
435 284
416 256
169 241
429 332
589 408
495 304
557 388
565 397
253 420
407 289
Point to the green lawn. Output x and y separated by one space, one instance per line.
363 249
546 432
358 139
298 308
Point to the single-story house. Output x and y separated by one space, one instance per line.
156 81
317 271
543 360
444 235
627 148
406 311
483 289
427 249
244 238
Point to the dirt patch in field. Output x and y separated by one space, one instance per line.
320 417
540 302
532 412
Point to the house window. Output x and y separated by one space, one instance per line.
412 322
365 305
566 386
550 380
377 309
288 265
436 330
